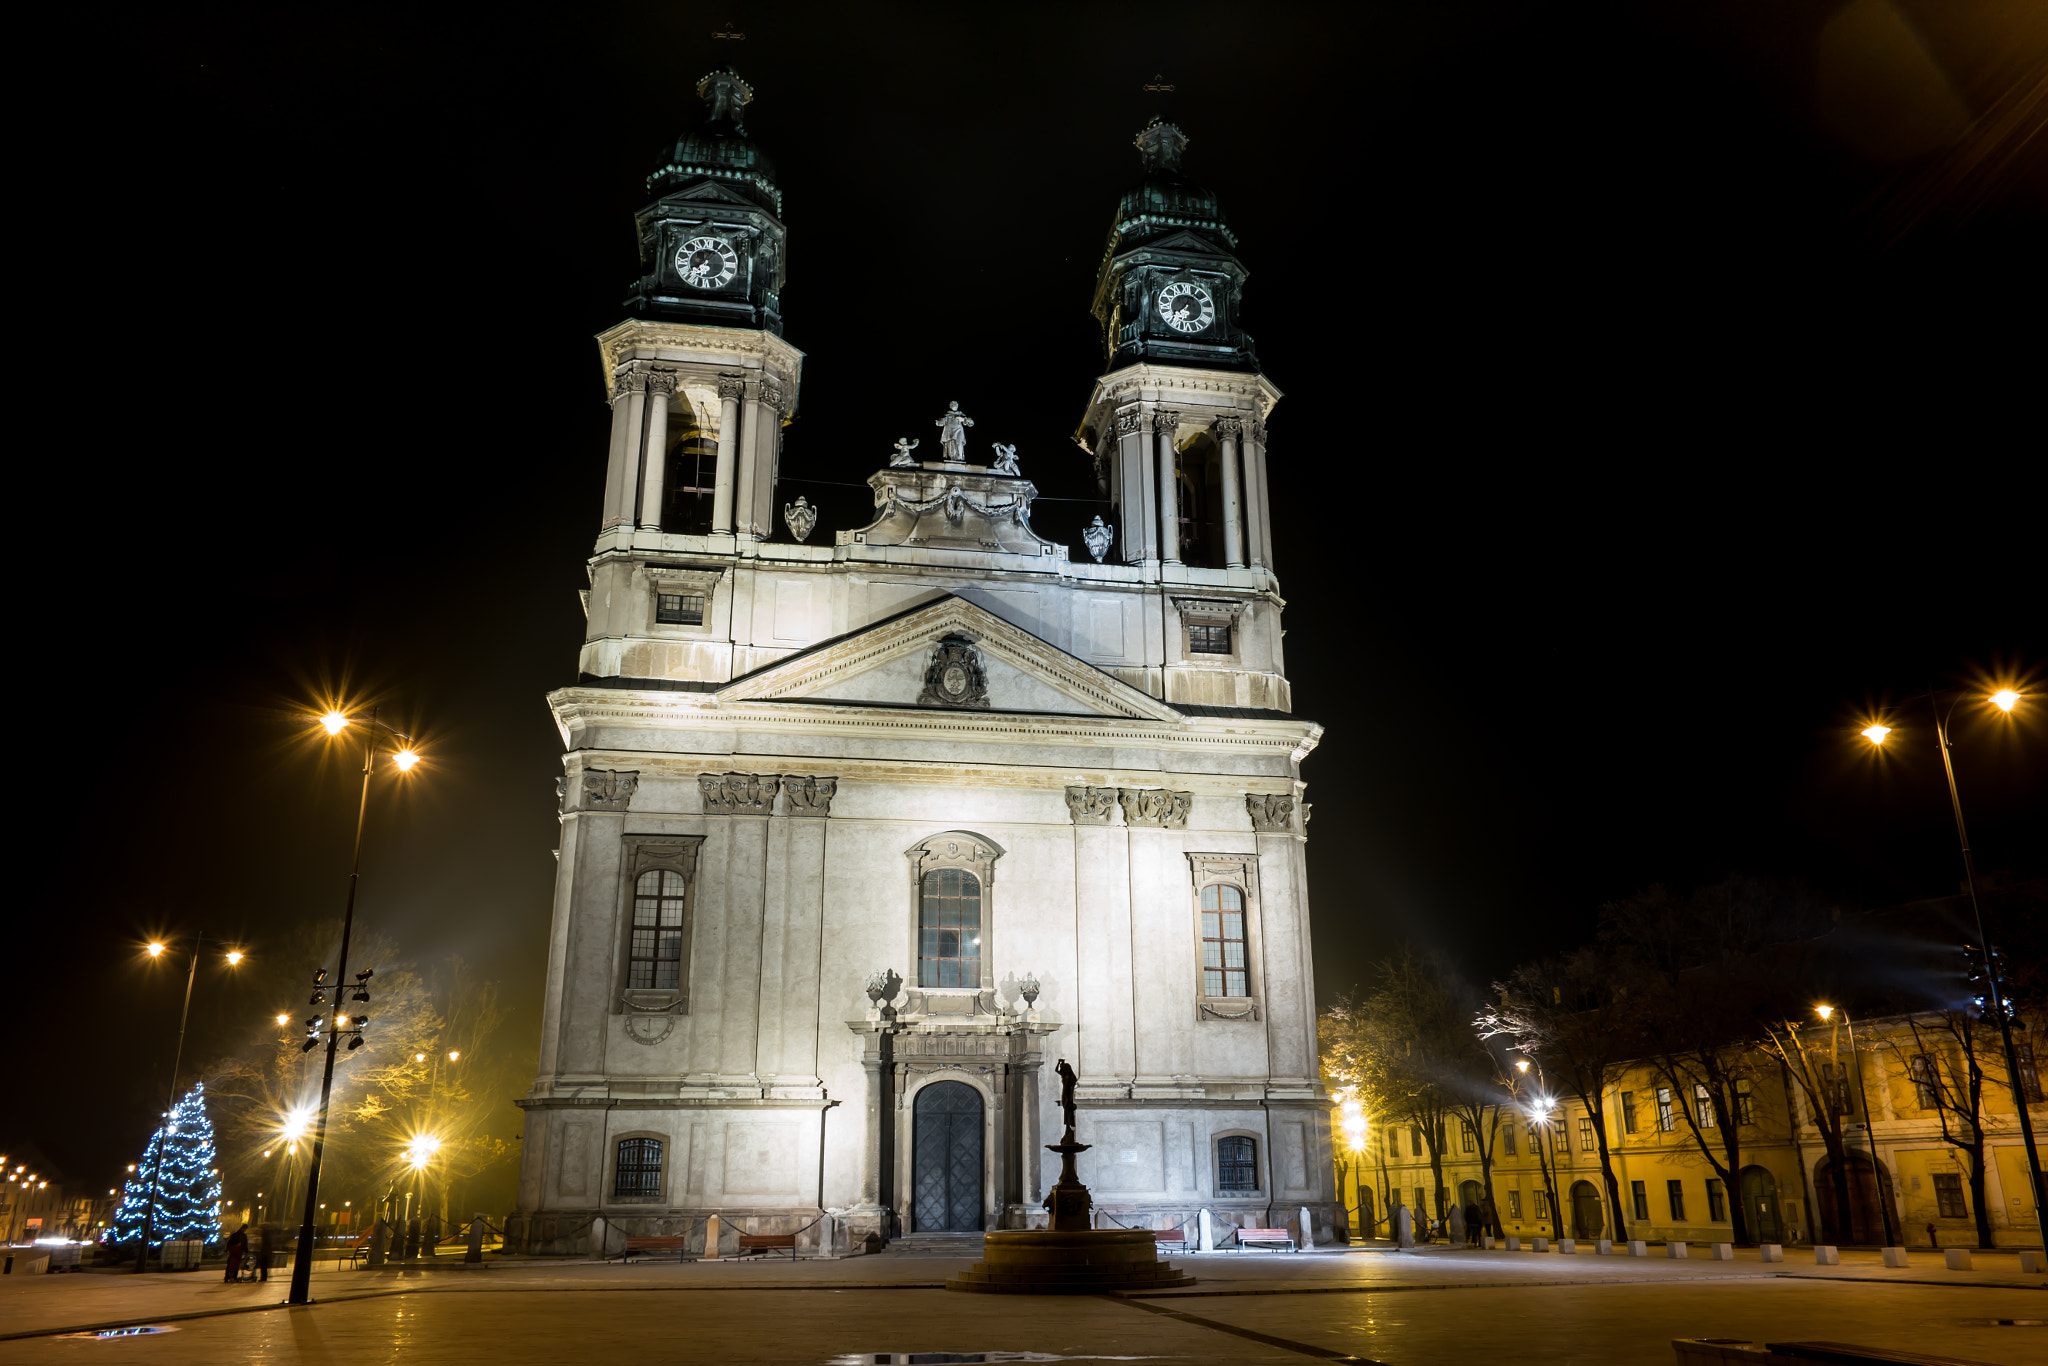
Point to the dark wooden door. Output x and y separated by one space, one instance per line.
947 1158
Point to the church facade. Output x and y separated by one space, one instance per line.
860 838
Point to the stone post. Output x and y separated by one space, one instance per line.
628 397
1228 430
597 1239
654 460
711 1238
1207 1223
475 1253
1163 423
730 390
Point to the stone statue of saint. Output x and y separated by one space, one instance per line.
953 434
1067 1080
1006 459
904 446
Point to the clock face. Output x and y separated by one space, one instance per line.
1186 307
707 262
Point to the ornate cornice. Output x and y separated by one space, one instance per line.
715 345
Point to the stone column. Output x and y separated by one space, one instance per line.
1135 498
731 388
654 459
1228 430
628 396
767 457
871 1143
1261 514
743 472
1164 422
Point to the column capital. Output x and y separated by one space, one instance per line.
1165 420
1129 420
660 381
1229 428
732 386
771 392
627 381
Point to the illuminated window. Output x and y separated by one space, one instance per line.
1514 1204
638 1172
949 930
1703 1104
1586 1144
1224 967
1471 1140
679 609
1667 1119
657 948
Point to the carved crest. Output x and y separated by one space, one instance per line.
604 790
1155 806
737 794
956 677
1272 813
1091 805
808 796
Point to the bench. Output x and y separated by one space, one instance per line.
768 1242
1263 1237
1171 1238
675 1243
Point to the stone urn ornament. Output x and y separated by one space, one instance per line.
1029 989
801 517
1097 536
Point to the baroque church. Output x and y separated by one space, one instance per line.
861 836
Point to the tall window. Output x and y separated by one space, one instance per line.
1703 1101
638 1173
1471 1140
1415 1140
1223 962
2030 1072
1535 1141
1717 1201
1745 1102
1674 1191
1923 1081
1507 1133
1628 1112
1514 1204
1586 1144
657 950
1667 1120
1639 1196
1834 1084
1948 1196
949 930
1237 1165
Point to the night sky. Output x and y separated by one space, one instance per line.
1656 404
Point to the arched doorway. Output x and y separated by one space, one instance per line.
1586 1211
1760 1206
946 1158
1865 1223
1470 1196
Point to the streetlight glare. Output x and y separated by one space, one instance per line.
405 759
419 1057
1522 1065
1825 1012
454 1054
335 722
156 950
1876 734
284 1019
2005 699
235 956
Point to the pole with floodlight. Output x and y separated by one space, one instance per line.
156 949
2005 699
1884 1204
403 758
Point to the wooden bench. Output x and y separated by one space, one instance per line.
673 1242
1171 1238
768 1242
1262 1237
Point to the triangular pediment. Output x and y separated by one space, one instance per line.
887 663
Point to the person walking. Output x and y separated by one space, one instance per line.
1472 1226
238 1248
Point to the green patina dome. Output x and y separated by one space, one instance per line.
720 148
1165 200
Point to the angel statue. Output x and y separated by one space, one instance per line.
1006 459
953 434
904 446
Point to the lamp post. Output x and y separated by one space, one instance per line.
156 949
2005 699
1541 1112
334 722
1884 1206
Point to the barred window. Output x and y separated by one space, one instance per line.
1948 1196
1223 958
1628 1112
638 1173
1237 1165
949 930
1209 640
1745 1103
657 952
679 609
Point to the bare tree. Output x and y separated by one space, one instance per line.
1824 1086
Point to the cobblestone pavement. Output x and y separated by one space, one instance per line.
1397 1309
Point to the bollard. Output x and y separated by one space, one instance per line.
2030 1263
1514 1243
1604 1248
1825 1254
1895 1256
1774 1252
1957 1258
1308 1231
1208 1232
1539 1244
711 1238
597 1239
1724 1252
1638 1248
1486 1241
1674 1248
1568 1246
476 1239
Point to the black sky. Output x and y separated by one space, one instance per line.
1639 432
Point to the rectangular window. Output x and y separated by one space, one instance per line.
1717 1201
1507 1133
637 1174
1703 1101
1834 1084
1237 1165
1209 640
949 930
1225 970
1628 1112
1470 1140
1415 1140
1948 1195
1674 1191
1923 1081
1639 1196
2030 1072
679 609
1514 1204
1586 1144
1667 1120
1421 1203
1745 1103
1535 1141
657 946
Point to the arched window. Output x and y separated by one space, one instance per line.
949 929
1223 958
1237 1165
638 1174
657 952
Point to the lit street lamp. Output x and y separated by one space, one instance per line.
1884 1205
156 949
403 758
2005 699
1541 1111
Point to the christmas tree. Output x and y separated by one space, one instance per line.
180 1157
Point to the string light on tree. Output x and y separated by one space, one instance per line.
188 1190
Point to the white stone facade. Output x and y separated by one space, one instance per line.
939 691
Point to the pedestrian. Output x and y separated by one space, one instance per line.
263 1253
238 1247
1472 1225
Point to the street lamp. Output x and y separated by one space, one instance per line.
404 758
1541 1111
1884 1206
2005 699
156 949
